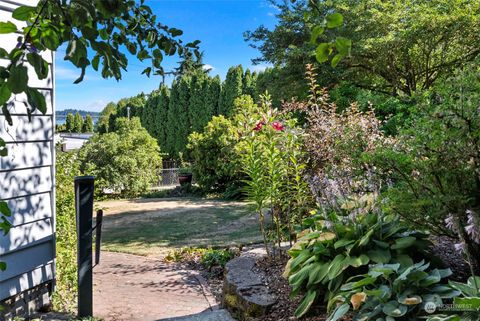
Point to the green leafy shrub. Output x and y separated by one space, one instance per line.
392 292
213 258
434 164
338 247
215 161
127 160
207 257
65 295
468 301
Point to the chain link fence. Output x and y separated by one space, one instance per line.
169 175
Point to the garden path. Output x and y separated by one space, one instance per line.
131 287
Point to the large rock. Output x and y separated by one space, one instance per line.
217 315
244 294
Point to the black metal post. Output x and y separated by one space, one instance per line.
84 187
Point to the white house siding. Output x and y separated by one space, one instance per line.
27 182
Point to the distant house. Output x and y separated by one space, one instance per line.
71 141
27 183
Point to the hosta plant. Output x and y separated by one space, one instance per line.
339 247
392 292
467 305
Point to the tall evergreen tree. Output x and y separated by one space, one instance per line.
196 106
69 123
231 89
78 123
104 120
212 92
183 123
161 116
172 119
148 114
88 124
249 83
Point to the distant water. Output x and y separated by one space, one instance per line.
60 120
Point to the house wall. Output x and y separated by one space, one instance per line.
27 180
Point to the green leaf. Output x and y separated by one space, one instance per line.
302 257
143 54
343 45
3 53
158 54
7 27
354 285
334 20
36 100
77 53
358 261
379 255
5 93
18 79
3 266
306 303
338 264
336 59
4 209
24 13
318 273
339 312
342 243
316 32
323 52
366 238
95 62
50 39
6 114
464 288
471 302
3 148
403 242
473 282
296 280
147 71
175 32
5 225
39 64
394 309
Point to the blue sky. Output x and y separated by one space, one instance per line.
219 24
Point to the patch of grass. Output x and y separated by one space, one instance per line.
227 224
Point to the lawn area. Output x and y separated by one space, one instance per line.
155 226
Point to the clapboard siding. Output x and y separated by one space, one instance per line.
27 234
25 182
27 179
30 259
18 106
27 155
26 281
30 208
40 128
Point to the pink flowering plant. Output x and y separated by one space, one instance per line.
273 161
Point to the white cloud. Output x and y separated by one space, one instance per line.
66 73
208 67
96 105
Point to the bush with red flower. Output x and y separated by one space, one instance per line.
273 160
